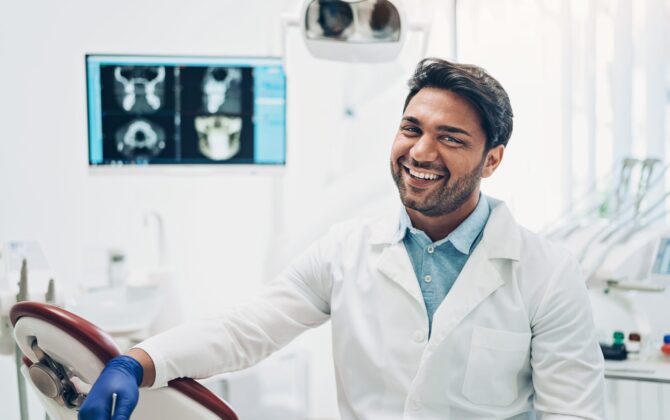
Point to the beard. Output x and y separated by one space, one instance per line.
446 198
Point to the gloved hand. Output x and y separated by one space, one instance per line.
122 376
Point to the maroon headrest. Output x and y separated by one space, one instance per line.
90 336
103 346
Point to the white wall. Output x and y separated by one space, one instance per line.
219 227
588 83
47 192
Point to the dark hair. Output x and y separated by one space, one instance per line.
474 84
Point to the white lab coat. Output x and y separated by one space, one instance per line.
515 333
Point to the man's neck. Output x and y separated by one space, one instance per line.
438 227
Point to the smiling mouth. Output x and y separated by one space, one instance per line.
421 175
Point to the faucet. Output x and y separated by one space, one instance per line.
160 235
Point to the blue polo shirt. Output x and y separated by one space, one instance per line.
438 264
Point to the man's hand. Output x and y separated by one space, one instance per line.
122 376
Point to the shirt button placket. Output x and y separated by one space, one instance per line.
419 336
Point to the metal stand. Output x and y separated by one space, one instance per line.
22 296
23 397
50 297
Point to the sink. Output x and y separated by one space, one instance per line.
120 310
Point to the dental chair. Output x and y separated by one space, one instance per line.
64 354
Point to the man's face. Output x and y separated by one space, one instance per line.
437 158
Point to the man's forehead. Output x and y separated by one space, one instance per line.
440 106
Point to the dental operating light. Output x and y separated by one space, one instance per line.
356 31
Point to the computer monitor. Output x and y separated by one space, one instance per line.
185 111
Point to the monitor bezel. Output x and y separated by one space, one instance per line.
184 168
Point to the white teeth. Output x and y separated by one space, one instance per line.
422 175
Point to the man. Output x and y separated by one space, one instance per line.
450 311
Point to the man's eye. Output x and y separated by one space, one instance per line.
410 129
449 139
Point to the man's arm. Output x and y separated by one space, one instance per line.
566 359
148 366
297 300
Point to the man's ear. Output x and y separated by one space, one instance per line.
492 160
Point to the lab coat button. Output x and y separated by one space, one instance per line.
419 336
414 405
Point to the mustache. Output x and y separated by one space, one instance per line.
424 165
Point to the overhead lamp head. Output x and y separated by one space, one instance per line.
354 30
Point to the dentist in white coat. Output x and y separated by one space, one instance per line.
447 309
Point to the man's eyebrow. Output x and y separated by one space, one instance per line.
447 128
452 129
412 120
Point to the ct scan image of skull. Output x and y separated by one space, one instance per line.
220 90
218 136
140 139
139 89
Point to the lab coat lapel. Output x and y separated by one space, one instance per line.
394 263
480 277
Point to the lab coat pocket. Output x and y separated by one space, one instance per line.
496 358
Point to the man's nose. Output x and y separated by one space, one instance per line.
424 150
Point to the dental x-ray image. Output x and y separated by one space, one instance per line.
138 107
215 90
139 88
140 139
216 114
176 113
221 90
218 136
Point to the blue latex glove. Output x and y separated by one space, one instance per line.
122 376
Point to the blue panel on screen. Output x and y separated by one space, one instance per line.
152 110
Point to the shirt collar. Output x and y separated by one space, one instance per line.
465 234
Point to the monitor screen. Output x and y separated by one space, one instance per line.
160 110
